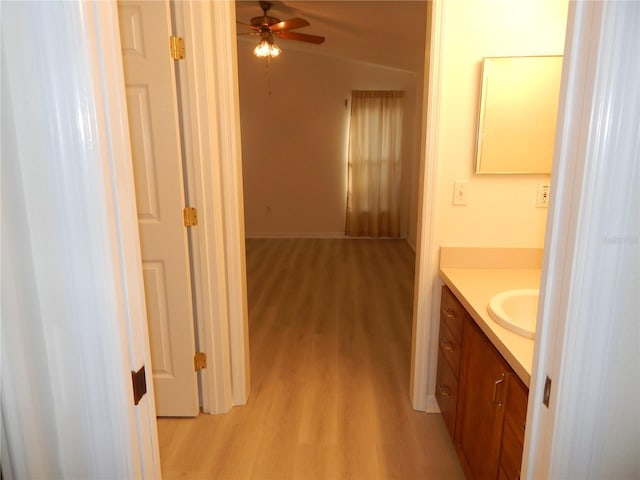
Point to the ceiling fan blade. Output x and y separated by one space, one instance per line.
244 24
302 37
289 24
252 30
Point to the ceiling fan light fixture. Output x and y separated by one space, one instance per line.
268 27
266 47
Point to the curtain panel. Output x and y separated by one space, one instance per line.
374 163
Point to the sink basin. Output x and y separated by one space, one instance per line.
516 310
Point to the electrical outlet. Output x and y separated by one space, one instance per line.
542 196
460 193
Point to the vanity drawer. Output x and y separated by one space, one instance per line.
450 347
452 313
447 393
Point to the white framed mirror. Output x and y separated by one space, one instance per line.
517 114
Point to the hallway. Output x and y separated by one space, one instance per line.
330 333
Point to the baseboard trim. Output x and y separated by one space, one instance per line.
319 235
296 235
432 404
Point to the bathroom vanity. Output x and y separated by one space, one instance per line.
483 368
482 400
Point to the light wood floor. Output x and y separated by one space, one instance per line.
330 342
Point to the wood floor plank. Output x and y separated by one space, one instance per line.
330 342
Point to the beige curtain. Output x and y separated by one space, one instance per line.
375 139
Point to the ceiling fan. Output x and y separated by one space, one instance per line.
268 27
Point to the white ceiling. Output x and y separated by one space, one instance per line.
384 32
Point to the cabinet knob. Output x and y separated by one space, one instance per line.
447 344
497 403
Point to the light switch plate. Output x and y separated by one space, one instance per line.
460 193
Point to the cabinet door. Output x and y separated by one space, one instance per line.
515 415
511 453
480 408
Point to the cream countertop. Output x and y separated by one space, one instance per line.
474 287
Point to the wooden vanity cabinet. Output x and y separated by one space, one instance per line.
482 401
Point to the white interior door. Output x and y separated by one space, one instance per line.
145 29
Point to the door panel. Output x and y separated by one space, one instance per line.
143 165
145 28
155 283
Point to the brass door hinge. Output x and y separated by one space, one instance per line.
190 216
199 361
176 44
139 381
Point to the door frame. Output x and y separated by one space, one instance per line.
208 94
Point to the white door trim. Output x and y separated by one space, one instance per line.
211 127
134 329
230 158
424 346
78 287
588 330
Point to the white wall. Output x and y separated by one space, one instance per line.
294 140
501 209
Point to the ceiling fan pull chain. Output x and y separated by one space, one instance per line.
268 73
